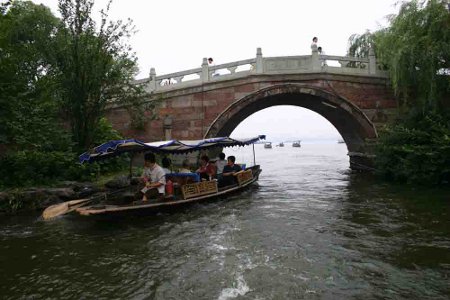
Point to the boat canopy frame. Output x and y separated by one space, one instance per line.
117 147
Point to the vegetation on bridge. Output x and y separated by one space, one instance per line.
56 76
415 48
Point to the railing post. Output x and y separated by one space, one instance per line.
372 62
315 61
152 79
259 61
205 70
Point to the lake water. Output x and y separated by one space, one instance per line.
311 229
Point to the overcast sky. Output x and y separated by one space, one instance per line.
175 35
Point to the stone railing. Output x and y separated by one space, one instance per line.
314 63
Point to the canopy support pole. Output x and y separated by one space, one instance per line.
131 166
254 158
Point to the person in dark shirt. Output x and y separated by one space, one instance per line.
228 172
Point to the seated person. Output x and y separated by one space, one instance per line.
228 172
166 162
183 176
153 177
185 167
207 169
220 163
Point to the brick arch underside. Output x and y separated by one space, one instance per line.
349 120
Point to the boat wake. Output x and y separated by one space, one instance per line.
240 290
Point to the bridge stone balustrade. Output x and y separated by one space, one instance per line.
351 93
263 65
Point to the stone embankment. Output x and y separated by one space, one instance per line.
14 201
35 199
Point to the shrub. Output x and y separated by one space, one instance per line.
416 150
28 168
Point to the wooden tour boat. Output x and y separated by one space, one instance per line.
187 186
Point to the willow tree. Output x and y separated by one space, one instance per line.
415 47
359 45
95 66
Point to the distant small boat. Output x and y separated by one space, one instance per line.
341 142
281 144
268 145
296 144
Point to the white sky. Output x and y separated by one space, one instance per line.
175 35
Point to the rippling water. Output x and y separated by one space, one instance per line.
312 229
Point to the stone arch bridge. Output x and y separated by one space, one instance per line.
351 93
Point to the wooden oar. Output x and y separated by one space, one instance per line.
59 209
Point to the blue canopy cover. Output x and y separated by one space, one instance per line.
116 147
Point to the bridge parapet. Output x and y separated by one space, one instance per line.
314 63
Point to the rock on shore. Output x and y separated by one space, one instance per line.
40 198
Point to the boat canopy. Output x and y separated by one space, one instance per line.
116 147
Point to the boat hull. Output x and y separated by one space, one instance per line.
164 205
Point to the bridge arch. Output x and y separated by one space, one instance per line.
353 125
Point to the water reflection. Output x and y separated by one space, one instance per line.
398 237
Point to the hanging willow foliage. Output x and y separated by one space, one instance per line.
416 50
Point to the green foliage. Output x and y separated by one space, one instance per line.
35 168
36 139
416 48
359 45
23 168
36 125
416 150
29 114
15 202
94 67
56 78
104 132
141 112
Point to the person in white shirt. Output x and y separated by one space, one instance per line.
321 55
220 163
212 64
154 178
185 167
